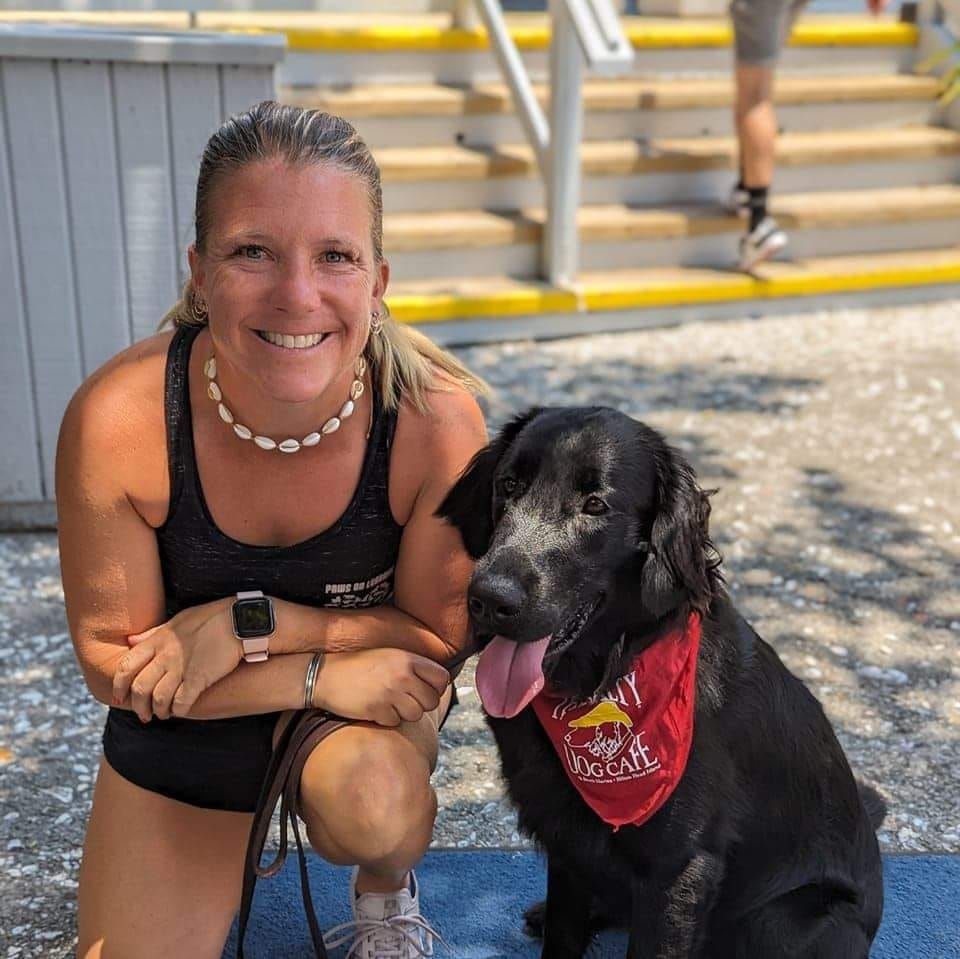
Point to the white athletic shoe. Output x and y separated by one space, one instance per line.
761 243
385 925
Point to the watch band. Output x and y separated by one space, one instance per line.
255 648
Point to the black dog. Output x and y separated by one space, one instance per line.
592 540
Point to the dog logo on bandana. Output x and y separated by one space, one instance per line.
603 733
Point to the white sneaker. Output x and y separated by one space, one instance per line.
385 925
738 203
761 243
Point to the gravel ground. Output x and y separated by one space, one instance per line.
834 440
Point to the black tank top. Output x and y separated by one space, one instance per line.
349 565
221 763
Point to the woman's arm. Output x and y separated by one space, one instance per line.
302 628
109 561
270 686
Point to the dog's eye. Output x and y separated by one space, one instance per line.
594 506
508 486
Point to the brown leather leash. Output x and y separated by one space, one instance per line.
307 729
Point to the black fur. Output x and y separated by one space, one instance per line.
767 847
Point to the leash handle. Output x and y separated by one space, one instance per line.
303 734
281 783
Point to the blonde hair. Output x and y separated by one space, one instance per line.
404 362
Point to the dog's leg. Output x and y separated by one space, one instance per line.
566 932
600 918
670 919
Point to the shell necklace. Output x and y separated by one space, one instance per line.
288 445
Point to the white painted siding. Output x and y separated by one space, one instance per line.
98 166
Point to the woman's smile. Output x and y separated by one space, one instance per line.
306 343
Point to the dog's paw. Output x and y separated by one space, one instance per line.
533 919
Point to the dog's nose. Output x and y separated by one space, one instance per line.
495 602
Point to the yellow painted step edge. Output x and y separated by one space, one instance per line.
522 301
644 32
532 300
814 32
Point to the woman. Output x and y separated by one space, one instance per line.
287 439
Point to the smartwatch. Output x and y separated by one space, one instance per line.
253 622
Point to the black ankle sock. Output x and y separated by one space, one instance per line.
758 205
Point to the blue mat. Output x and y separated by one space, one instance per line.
475 899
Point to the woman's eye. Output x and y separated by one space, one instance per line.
594 506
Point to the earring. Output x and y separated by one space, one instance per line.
376 324
198 308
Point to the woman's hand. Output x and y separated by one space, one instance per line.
383 686
170 665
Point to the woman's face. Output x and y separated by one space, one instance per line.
289 252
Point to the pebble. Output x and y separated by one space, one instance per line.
63 793
895 676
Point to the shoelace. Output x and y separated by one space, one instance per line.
393 933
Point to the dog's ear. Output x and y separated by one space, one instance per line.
469 504
681 563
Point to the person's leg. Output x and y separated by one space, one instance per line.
756 123
366 798
158 878
761 29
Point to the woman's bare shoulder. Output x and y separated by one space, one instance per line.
451 418
131 374
119 407
433 445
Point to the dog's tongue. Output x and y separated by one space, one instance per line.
510 674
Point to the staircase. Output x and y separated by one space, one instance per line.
867 181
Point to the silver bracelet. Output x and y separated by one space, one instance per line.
311 679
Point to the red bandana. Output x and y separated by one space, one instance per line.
625 753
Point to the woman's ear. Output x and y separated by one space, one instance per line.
681 561
196 267
469 504
380 281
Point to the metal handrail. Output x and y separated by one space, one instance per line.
515 73
583 33
938 51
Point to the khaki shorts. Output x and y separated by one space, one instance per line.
761 28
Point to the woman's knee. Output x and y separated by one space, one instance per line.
370 798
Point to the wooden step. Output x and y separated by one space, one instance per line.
674 155
449 300
440 100
404 232
386 33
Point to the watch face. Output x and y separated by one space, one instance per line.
253 617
